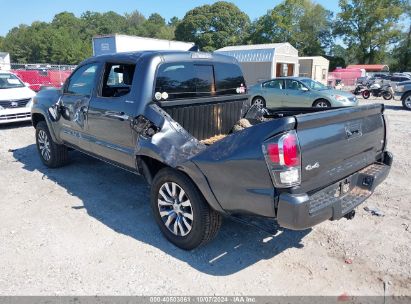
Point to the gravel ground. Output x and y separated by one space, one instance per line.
87 229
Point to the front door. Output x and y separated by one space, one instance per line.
111 113
74 104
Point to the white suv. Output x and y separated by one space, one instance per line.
15 99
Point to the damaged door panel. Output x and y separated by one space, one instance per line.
165 140
73 105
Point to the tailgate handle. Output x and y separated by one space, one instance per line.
353 131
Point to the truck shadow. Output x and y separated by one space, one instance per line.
120 200
394 107
15 125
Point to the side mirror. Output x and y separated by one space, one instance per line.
304 89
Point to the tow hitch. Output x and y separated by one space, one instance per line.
350 215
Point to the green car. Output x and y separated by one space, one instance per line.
298 92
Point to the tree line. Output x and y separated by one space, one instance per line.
363 31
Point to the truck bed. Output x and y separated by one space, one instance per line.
334 143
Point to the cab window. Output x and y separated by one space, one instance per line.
82 81
117 79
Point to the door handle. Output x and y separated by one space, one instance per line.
353 131
117 115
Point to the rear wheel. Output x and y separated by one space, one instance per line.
406 101
181 212
321 103
387 95
366 94
259 102
51 154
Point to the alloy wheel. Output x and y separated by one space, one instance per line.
175 209
407 102
321 104
44 145
259 102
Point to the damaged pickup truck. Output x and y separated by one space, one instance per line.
183 120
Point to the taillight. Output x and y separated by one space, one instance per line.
291 150
283 158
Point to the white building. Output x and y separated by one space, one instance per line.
264 61
315 67
109 44
4 61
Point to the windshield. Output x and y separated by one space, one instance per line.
314 85
9 81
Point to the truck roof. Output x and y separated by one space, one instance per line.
167 55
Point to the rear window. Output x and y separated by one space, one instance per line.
184 80
181 80
229 78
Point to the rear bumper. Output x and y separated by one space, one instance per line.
15 115
298 212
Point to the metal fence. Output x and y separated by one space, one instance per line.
39 75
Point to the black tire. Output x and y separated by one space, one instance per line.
260 100
56 155
387 95
321 103
205 222
406 101
366 94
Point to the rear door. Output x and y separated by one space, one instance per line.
273 92
111 113
296 94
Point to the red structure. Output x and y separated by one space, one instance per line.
37 78
347 76
370 67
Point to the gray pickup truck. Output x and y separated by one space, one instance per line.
184 122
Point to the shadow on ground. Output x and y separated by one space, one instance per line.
15 125
393 107
120 200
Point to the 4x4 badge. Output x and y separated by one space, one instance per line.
310 167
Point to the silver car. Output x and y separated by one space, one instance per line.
298 92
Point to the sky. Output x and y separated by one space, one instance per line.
18 12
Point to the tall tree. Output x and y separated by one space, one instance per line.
303 23
214 26
174 21
155 26
135 18
369 26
